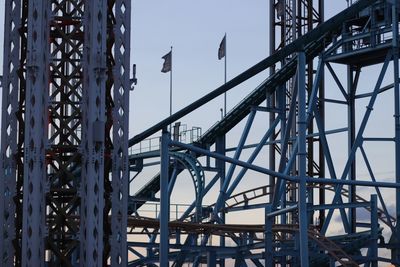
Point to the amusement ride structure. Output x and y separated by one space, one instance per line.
67 160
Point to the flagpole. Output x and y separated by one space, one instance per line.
170 92
225 78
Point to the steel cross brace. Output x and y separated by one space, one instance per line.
358 140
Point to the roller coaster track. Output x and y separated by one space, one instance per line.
191 164
194 167
243 198
324 244
331 248
313 43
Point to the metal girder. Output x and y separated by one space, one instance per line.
93 127
10 156
36 126
396 72
120 34
164 200
302 158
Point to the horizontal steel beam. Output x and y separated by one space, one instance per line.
283 176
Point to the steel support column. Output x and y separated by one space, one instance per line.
220 147
268 238
374 231
211 259
33 226
321 159
164 199
120 130
351 122
396 72
93 129
9 135
302 159
272 98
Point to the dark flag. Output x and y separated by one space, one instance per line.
222 48
167 62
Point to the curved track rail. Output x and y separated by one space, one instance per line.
325 244
242 199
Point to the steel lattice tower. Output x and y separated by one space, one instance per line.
288 20
64 154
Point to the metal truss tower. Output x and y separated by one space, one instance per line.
288 20
65 105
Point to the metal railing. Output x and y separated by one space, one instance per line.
184 135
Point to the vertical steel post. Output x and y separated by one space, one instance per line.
268 236
271 98
321 109
220 147
396 251
9 133
374 231
281 101
33 226
211 259
120 119
321 160
293 17
93 129
225 76
351 117
302 159
164 199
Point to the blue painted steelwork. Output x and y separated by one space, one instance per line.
164 200
299 180
268 238
302 125
395 239
33 245
11 163
374 231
